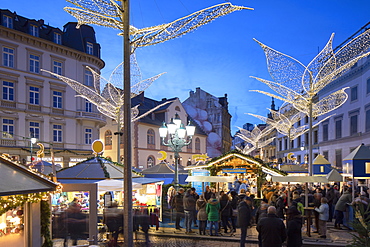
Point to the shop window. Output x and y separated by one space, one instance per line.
367 167
321 169
108 139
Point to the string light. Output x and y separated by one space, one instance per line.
254 138
107 94
108 13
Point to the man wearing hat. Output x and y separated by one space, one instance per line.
244 217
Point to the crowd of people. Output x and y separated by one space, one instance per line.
276 220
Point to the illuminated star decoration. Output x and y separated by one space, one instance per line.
254 138
298 84
107 96
284 122
108 13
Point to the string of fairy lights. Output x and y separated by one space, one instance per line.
108 13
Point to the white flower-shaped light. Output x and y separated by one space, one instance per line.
298 84
109 13
255 138
108 96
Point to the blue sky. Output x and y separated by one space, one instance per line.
221 56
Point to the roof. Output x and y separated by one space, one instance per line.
362 152
44 167
161 168
93 168
320 160
293 168
16 179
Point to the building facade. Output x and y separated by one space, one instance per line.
146 142
33 103
212 115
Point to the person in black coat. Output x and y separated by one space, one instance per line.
226 211
280 206
272 229
178 203
294 227
244 217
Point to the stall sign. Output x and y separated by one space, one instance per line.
236 170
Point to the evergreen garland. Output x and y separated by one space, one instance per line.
45 224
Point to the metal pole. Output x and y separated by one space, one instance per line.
127 178
310 157
177 160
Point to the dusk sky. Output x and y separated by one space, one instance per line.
221 56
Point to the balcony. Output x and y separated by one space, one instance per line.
90 115
34 108
8 104
8 142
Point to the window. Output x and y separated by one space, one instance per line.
57 38
8 57
299 123
88 78
57 99
306 139
108 139
88 136
34 30
322 169
325 132
8 90
285 143
197 144
353 125
299 157
35 129
280 145
88 106
34 63
150 161
8 126
34 95
338 158
57 67
7 21
89 48
367 120
326 154
368 86
338 129
57 133
151 137
299 141
354 95
315 137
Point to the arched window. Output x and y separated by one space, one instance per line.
177 109
150 138
108 139
197 145
150 161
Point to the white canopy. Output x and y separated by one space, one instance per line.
210 179
114 185
300 179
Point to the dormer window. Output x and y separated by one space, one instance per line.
57 38
7 21
34 30
89 48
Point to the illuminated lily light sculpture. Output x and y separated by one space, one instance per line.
109 13
299 85
255 138
108 96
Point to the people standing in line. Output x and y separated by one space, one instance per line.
196 197
294 227
244 218
226 212
189 209
242 194
340 207
178 203
213 214
323 211
202 214
272 229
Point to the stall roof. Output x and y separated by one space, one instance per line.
44 167
114 185
320 160
147 180
360 153
334 176
210 179
300 179
161 168
96 168
16 179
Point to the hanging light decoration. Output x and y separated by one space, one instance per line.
108 13
255 138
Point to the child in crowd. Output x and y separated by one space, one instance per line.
323 211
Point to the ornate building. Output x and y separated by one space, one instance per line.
35 104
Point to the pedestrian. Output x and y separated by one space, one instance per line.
189 209
316 203
340 207
178 203
244 218
234 206
294 227
202 214
226 212
272 229
207 193
330 196
196 197
323 211
213 214
280 206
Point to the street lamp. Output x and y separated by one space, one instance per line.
33 140
177 133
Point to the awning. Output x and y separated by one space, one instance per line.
114 185
224 179
16 179
300 179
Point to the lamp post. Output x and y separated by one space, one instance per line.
33 140
176 133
